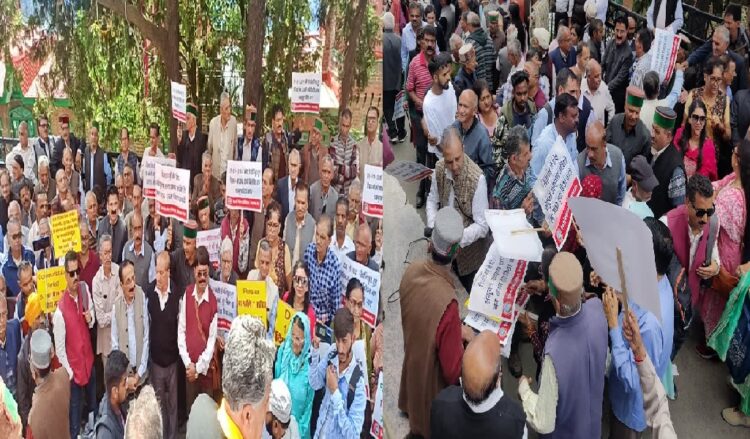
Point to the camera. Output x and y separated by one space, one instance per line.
41 243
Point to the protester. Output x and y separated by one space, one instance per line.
286 186
183 259
248 144
698 151
263 273
605 160
144 418
222 132
322 195
466 75
193 144
392 77
345 154
113 225
225 273
105 289
651 90
627 131
299 226
52 397
292 368
235 227
111 425
666 163
276 142
565 124
33 319
205 183
616 62
643 183
642 63
439 106
717 46
96 168
342 244
281 259
324 266
10 345
130 326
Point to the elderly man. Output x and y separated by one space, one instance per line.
564 56
222 133
62 188
616 62
16 254
52 396
10 345
28 212
96 170
322 195
205 184
432 328
139 207
513 189
46 256
113 225
287 185
325 272
299 226
203 214
130 327
605 160
627 130
193 144
466 75
642 63
667 163
472 134
183 259
41 211
226 272
478 407
277 143
312 152
409 33
26 285
565 125
393 73
15 213
45 183
43 144
509 61
140 253
569 402
72 321
125 157
597 92
246 379
596 38
66 140
248 144
643 183
458 182
26 151
718 45
105 289
342 244
263 273
483 47
362 248
153 149
345 154
355 209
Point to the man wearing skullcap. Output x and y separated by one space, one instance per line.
627 131
605 160
193 144
32 320
280 423
433 334
312 152
222 131
569 402
667 163
48 418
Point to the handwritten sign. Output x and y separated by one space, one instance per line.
66 234
664 53
51 285
179 101
370 281
284 314
149 173
408 171
226 303
244 185
211 239
305 94
556 183
372 193
251 299
173 192
377 429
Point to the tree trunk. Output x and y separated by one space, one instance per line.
352 42
252 90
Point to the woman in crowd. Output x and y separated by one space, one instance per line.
281 261
354 301
489 115
698 151
292 362
236 227
298 297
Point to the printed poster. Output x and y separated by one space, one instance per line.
66 233
372 193
173 192
370 281
664 53
244 186
211 239
408 171
251 299
377 429
51 285
149 173
179 101
284 314
305 94
226 302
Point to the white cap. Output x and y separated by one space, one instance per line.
280 403
463 52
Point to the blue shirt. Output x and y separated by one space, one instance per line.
9 355
540 121
326 288
543 144
625 392
10 270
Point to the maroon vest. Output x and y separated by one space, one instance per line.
77 341
206 310
677 219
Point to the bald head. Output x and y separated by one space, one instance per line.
593 74
480 371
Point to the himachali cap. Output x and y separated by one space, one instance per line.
542 37
192 109
665 117
635 96
449 230
190 229
463 52
643 173
318 124
280 403
566 275
41 349
493 16
203 202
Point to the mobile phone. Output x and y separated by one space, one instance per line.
41 243
323 332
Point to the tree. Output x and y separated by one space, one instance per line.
255 18
351 46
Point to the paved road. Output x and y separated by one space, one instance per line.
703 391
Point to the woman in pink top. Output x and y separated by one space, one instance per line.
698 150
299 296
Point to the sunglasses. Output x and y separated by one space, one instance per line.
703 212
74 273
697 118
301 280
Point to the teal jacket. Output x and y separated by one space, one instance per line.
293 370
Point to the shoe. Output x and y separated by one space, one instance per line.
705 352
514 363
734 417
402 139
393 139
420 201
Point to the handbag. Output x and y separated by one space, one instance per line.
724 282
213 365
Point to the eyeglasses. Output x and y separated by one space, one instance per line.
74 273
202 273
18 235
696 118
703 212
716 80
301 280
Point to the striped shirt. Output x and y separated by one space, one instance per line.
345 156
325 282
419 79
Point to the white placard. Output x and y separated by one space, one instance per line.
211 239
372 193
377 429
244 185
557 181
149 172
522 245
173 192
305 95
481 322
370 281
179 101
605 227
408 171
664 53
226 304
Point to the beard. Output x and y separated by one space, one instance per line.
446 86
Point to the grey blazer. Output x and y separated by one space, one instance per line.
317 204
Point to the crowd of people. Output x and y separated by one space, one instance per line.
132 348
487 96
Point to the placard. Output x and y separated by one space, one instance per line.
512 238
179 101
149 173
370 281
377 429
50 285
244 185
173 192
226 303
66 233
664 53
408 171
556 183
372 193
284 314
211 239
305 95
251 299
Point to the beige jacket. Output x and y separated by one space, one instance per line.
655 401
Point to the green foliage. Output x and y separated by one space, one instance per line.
368 36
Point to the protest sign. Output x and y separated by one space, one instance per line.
149 173
251 299
514 237
305 94
66 233
605 227
664 53
179 101
481 322
408 171
226 303
370 281
211 239
372 193
284 314
51 285
244 185
400 105
173 192
377 429
557 181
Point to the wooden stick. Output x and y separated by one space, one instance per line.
522 231
621 269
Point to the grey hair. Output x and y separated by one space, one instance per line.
514 48
517 137
561 30
568 310
472 18
206 156
43 162
144 417
355 186
225 97
248 363
23 124
295 152
455 42
226 246
263 245
722 32
450 135
44 220
590 66
90 194
327 159
388 21
104 238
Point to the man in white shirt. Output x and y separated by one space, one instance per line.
439 105
342 244
659 17
597 92
105 289
26 151
153 149
222 135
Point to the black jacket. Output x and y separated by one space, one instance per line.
740 116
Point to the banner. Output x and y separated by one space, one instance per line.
370 281
284 314
66 234
226 303
664 53
179 101
372 193
377 429
173 192
149 173
251 299
408 171
555 184
51 285
305 94
211 239
511 236
244 186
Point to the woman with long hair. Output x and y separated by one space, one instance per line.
298 296
698 150
281 261
292 366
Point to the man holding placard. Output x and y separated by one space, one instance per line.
325 269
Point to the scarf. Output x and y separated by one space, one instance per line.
291 363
